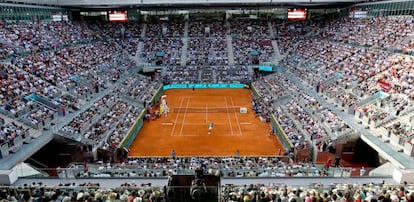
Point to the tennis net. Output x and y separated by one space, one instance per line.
206 110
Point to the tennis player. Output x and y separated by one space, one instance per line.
210 127
166 110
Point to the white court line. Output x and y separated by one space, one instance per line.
168 124
185 114
176 117
206 114
203 124
235 114
228 116
193 135
245 123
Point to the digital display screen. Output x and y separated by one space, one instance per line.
297 14
118 16
358 13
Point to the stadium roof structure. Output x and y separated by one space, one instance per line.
183 3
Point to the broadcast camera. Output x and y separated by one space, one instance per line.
199 187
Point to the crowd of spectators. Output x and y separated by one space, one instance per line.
251 41
48 68
122 128
40 116
138 87
178 74
318 192
66 192
303 115
117 30
16 83
207 43
356 66
332 121
314 129
295 136
207 48
28 37
271 192
207 51
165 28
211 28
8 132
288 35
82 123
106 123
163 43
342 65
352 61
162 51
78 69
228 166
378 32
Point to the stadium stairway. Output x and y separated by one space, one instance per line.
214 74
250 71
144 30
271 31
186 25
281 100
294 47
183 60
230 53
399 159
164 71
137 58
200 75
276 56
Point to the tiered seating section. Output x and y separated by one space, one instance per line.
143 191
163 42
366 71
215 51
363 67
252 42
46 77
232 167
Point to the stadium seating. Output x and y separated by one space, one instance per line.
133 191
348 67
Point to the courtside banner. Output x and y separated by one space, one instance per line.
203 85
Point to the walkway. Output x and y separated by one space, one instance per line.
157 182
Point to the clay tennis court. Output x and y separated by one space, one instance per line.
185 129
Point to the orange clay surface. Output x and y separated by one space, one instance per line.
187 133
